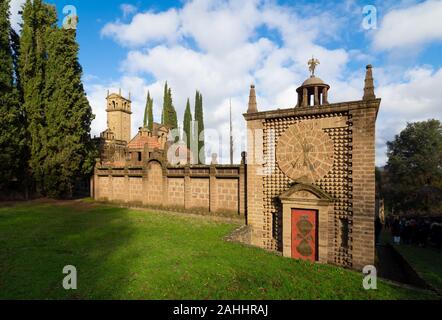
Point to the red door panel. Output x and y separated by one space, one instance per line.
304 235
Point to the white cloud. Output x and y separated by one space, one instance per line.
219 26
144 27
227 56
215 47
14 8
417 98
410 27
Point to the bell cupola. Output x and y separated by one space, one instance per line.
313 92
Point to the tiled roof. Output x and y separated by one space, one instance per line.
139 141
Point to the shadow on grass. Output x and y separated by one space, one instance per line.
37 241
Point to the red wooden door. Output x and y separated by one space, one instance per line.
304 234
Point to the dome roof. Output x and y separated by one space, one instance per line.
313 80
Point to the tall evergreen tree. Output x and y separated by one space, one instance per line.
169 116
38 20
187 124
165 103
11 132
6 57
199 123
70 153
148 113
172 116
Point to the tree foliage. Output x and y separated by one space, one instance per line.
50 114
413 177
187 122
148 113
199 127
169 116
38 22
68 116
11 128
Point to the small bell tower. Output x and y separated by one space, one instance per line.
313 92
119 116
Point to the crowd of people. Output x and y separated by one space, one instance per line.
418 231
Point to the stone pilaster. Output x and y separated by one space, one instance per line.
255 158
242 187
213 194
187 188
363 184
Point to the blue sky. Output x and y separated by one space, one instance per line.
220 47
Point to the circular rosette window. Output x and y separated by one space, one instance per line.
305 151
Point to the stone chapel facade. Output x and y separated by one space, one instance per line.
311 176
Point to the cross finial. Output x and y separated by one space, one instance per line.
312 65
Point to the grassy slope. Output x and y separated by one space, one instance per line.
127 254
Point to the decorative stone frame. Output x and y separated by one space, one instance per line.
311 197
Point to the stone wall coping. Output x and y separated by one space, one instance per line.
141 167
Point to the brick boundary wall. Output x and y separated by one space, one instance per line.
204 188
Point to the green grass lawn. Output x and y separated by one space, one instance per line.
133 254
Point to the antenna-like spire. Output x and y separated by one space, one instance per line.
231 134
252 100
369 84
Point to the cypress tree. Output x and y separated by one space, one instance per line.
70 153
187 124
172 116
169 116
199 122
11 130
148 113
38 19
165 104
6 58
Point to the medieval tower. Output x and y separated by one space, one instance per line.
119 116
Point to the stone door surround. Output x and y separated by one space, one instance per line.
309 197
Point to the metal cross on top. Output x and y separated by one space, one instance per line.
312 65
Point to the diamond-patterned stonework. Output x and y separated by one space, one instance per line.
334 133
